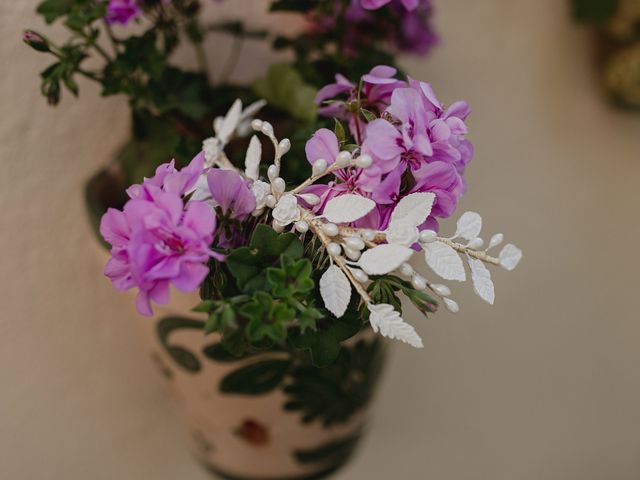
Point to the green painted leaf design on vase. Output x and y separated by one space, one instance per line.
256 378
183 357
333 394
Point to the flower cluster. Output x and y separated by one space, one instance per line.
157 240
414 142
122 11
404 24
255 245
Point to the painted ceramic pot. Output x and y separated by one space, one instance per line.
268 415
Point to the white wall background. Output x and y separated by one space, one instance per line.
543 386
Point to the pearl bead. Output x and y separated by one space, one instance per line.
364 161
334 249
496 240
352 254
360 275
369 235
475 244
267 129
418 282
277 227
355 243
428 236
451 305
278 185
302 226
270 201
406 269
285 146
310 198
272 172
441 290
319 166
343 159
330 229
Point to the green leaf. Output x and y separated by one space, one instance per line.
291 278
383 290
257 378
204 307
339 131
248 265
594 10
368 116
268 318
325 343
51 10
221 319
284 88
308 318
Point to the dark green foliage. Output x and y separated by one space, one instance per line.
385 289
291 278
324 344
268 318
596 11
248 265
283 87
51 10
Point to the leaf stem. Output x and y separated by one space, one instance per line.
472 253
316 226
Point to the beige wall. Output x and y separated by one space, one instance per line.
543 386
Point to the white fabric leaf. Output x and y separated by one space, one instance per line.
253 108
413 209
347 208
510 256
469 226
230 122
384 258
481 277
335 290
389 323
253 158
445 261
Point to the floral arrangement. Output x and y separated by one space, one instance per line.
617 23
307 265
130 48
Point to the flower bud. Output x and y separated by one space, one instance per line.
36 41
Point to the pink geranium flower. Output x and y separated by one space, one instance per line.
157 241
